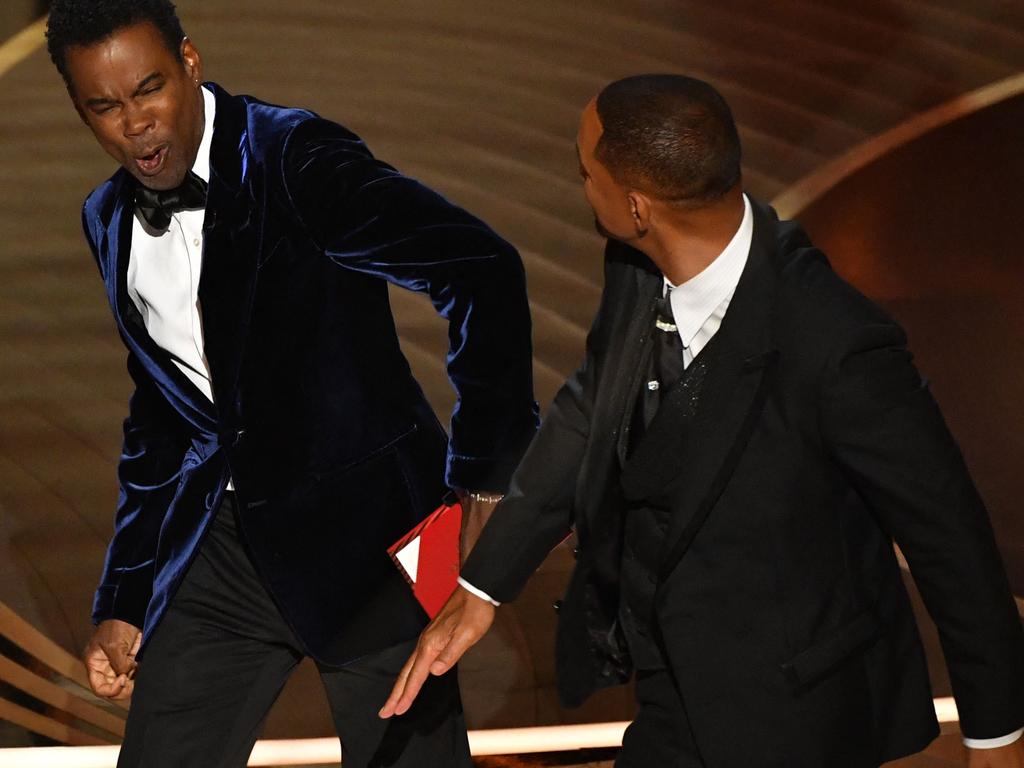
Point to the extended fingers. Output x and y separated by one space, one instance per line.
415 672
396 692
417 676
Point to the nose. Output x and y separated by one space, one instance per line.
136 121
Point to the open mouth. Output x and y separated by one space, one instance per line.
152 163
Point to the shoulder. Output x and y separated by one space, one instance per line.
816 308
270 130
263 127
818 319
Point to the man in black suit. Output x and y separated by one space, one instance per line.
276 442
743 442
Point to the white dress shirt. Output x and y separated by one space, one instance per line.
699 306
163 276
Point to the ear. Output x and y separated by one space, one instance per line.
640 210
193 61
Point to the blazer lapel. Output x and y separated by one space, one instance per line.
231 243
698 435
180 391
636 349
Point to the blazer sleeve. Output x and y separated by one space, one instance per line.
886 431
148 470
538 511
366 216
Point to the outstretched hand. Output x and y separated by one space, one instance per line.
463 620
110 659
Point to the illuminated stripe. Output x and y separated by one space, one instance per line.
22 45
797 197
295 752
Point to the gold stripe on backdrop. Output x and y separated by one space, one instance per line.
22 45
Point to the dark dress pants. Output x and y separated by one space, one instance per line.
659 736
220 657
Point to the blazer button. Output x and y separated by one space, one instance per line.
576 552
557 606
238 436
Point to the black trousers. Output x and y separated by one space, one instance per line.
659 736
220 657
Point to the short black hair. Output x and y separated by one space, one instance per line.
87 22
670 135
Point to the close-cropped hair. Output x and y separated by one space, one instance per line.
74 23
671 136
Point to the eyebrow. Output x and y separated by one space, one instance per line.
146 81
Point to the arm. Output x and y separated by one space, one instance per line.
367 217
150 460
886 431
148 472
535 515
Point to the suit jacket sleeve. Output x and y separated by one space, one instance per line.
368 217
148 470
886 431
538 511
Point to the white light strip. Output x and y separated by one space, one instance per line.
282 752
945 710
557 738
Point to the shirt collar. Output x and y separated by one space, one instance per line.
694 301
201 167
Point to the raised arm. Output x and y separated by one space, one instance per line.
368 217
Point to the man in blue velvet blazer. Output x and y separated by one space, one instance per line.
254 515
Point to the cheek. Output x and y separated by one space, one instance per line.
605 207
107 137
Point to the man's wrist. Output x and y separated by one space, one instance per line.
999 741
477 592
481 497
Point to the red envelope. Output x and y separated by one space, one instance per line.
428 557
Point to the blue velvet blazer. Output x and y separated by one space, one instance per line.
328 439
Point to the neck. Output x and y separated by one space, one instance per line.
682 243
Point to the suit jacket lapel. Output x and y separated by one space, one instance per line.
231 242
637 348
181 392
697 436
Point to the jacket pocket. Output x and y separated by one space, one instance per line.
814 663
374 453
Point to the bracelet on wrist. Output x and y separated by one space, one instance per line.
484 498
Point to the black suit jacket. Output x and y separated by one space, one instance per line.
332 448
781 608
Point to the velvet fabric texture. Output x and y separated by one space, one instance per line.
809 445
330 444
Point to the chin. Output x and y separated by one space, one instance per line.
161 182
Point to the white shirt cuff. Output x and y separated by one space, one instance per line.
478 592
1000 741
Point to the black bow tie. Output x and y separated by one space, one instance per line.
157 207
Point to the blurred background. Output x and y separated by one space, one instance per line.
890 128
